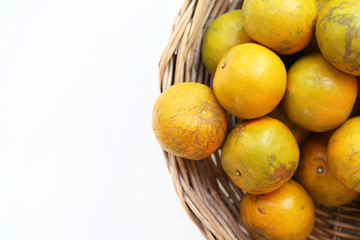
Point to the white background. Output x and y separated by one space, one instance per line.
78 159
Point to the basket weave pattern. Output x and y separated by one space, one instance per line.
204 190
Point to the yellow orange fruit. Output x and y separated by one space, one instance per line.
338 34
321 3
188 121
299 133
287 213
286 26
260 155
223 33
250 81
314 174
318 97
344 153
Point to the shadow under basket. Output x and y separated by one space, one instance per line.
206 193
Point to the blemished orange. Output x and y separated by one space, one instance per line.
287 213
318 97
188 121
223 33
299 133
286 26
260 155
315 176
250 81
344 153
337 34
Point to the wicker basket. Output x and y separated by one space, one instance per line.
205 192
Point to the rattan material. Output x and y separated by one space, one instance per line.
205 192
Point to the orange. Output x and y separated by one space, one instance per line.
287 213
338 35
250 81
188 121
344 153
260 155
286 26
223 33
299 133
314 174
318 97
321 3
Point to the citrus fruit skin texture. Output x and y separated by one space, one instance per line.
344 153
260 155
299 133
223 33
315 176
287 213
338 34
286 26
321 3
188 121
250 81
318 97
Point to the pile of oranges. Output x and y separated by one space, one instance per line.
287 70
